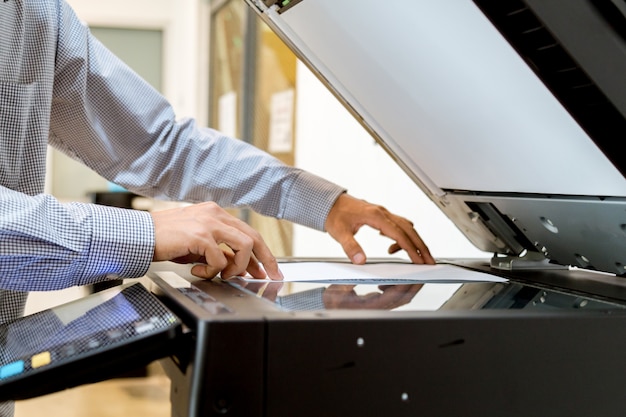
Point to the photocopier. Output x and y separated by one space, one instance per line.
509 115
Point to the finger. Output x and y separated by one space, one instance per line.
259 253
418 243
226 249
351 247
401 230
255 269
403 241
246 243
372 301
205 271
267 259
239 259
271 290
401 294
231 270
190 259
338 296
229 256
214 258
394 296
341 288
392 226
394 248
256 287
195 234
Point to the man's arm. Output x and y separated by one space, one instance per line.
46 245
106 116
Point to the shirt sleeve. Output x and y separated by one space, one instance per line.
106 116
48 245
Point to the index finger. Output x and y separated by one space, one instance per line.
417 249
401 230
264 255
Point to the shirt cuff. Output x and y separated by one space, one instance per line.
310 200
122 244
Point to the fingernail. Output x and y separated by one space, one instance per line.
358 258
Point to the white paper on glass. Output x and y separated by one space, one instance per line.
380 273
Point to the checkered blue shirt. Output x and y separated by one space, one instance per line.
60 86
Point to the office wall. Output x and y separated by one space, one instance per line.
185 43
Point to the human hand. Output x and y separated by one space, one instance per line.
390 297
349 214
220 242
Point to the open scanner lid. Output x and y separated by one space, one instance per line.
507 113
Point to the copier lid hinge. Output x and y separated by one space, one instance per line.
281 5
529 260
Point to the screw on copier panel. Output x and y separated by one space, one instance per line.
360 342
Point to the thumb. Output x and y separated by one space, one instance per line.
354 251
